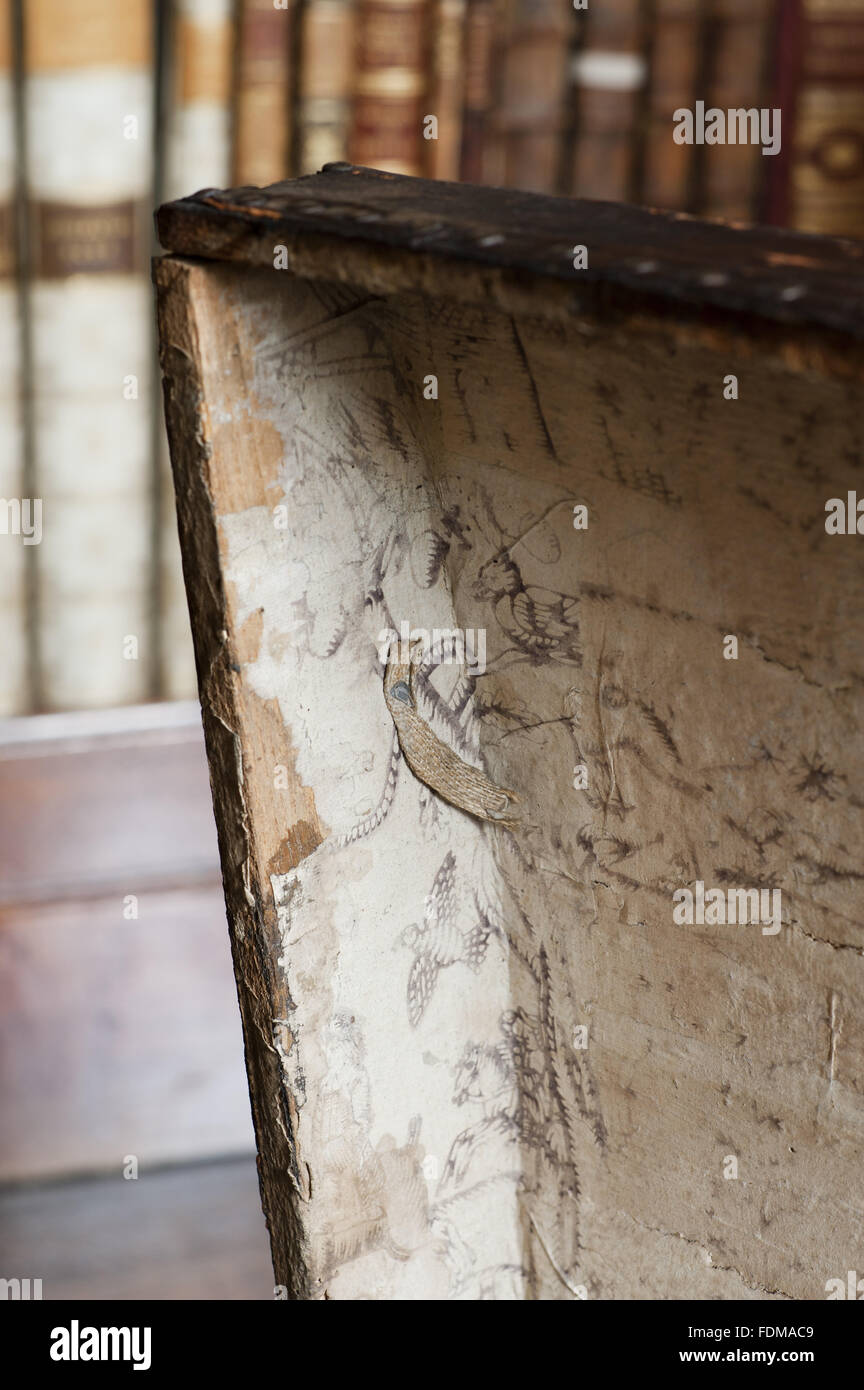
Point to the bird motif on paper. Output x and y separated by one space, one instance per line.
542 625
440 941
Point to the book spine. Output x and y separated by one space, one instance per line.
479 91
532 92
608 76
445 101
391 86
669 169
88 105
325 82
263 124
197 154
13 664
737 34
784 68
825 135
198 115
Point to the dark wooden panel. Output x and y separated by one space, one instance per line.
638 257
119 1037
193 1232
117 801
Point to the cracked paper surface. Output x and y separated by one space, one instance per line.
458 1143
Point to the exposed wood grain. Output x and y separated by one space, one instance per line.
241 768
460 239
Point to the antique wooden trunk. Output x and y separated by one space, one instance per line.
547 920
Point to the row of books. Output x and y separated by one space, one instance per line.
92 609
76 354
563 96
107 109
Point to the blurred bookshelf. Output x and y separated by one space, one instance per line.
120 1036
